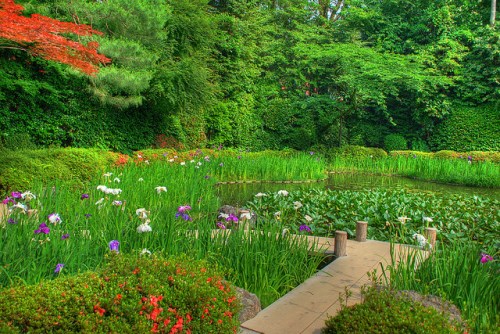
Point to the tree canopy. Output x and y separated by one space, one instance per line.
255 73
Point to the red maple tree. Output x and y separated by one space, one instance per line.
43 37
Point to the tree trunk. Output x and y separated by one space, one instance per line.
493 12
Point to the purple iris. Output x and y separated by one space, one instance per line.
88 215
8 200
469 158
221 226
486 258
11 221
59 266
84 196
42 228
114 246
304 228
183 208
184 216
16 195
232 217
311 153
65 236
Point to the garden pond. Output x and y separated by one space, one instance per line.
239 193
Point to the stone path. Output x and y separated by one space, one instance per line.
305 308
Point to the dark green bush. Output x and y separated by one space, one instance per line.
394 142
21 168
468 129
385 312
131 294
419 145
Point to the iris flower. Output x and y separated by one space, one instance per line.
304 228
54 218
114 246
59 267
42 228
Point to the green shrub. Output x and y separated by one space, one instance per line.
410 153
76 166
395 142
385 312
468 129
18 141
131 293
354 151
419 145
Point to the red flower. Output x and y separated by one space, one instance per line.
155 313
99 309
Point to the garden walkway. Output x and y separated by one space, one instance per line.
305 308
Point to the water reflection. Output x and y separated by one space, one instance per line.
238 194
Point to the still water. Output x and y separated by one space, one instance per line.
238 194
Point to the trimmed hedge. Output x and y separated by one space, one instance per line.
131 294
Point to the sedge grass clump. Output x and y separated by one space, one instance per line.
383 311
463 170
465 273
131 293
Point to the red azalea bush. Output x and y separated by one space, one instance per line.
130 294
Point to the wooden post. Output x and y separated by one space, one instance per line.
361 228
430 235
340 243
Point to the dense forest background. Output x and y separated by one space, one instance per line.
269 74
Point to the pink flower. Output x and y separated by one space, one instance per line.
486 258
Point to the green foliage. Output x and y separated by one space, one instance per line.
53 107
468 129
129 294
419 145
395 142
18 141
461 273
386 312
456 217
356 152
21 169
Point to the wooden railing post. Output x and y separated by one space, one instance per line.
340 243
361 230
430 235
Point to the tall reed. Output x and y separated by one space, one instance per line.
458 171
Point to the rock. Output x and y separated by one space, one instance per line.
250 304
437 303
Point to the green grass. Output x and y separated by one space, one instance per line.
454 171
456 273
